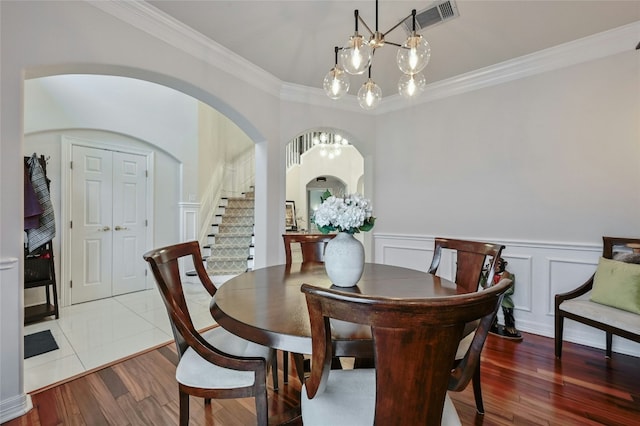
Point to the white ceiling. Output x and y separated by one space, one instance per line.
294 39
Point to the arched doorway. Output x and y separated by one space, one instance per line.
101 117
317 160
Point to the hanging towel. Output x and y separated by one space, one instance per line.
32 207
47 229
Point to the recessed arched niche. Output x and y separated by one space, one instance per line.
319 160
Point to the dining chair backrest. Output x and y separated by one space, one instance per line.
165 267
471 257
311 245
422 335
213 371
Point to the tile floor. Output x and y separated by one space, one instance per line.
96 333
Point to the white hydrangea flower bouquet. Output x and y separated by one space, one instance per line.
353 213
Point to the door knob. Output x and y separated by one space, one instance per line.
106 228
121 228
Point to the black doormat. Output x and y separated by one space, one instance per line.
39 343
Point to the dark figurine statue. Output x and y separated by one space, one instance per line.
508 330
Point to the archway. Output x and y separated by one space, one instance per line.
124 129
319 159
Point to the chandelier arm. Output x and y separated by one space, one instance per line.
365 25
392 43
398 24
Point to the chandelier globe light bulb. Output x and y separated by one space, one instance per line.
336 83
414 54
355 57
369 95
410 86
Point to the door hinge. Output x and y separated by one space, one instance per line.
71 165
71 224
145 272
146 173
71 284
146 222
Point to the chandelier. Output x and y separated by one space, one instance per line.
330 144
356 57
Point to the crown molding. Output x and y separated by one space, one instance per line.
607 43
158 24
162 26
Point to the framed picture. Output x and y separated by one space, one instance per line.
290 216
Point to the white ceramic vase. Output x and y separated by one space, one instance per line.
344 260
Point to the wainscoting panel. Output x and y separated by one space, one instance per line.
565 275
542 270
413 258
521 266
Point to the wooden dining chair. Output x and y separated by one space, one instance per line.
215 363
312 251
422 335
311 245
471 260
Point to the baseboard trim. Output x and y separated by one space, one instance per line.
15 407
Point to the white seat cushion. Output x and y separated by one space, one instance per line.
193 370
615 317
349 400
464 345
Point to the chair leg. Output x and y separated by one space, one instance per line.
274 371
609 344
298 360
184 409
477 390
262 413
558 336
285 367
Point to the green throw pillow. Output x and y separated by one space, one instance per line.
617 284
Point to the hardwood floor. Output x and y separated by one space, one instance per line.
522 384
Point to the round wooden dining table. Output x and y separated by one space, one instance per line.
267 307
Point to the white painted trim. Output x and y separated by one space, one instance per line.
529 288
12 408
536 281
189 224
557 260
153 21
66 146
511 243
164 27
575 52
8 263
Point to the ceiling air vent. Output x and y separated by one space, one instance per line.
441 11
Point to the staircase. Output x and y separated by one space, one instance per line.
231 240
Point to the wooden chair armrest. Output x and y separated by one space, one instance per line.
213 354
583 289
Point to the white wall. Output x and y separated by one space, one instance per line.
553 157
546 165
221 145
155 114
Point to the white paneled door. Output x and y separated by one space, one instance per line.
108 217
